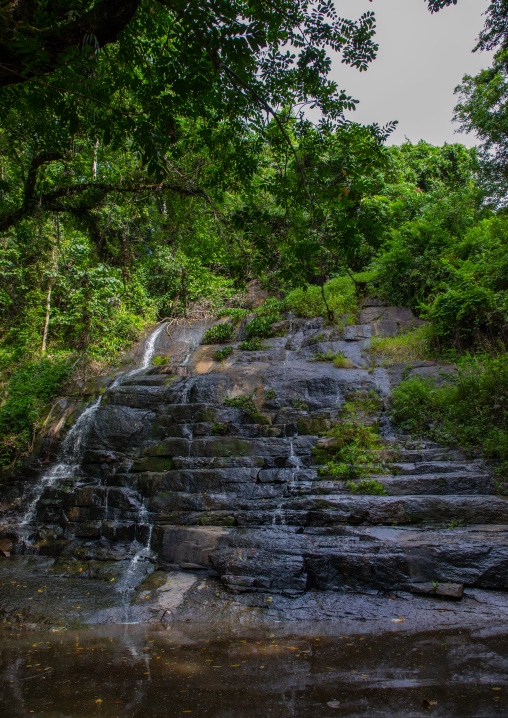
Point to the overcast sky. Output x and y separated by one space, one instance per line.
421 59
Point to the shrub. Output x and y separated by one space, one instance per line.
260 327
252 345
308 301
367 486
223 353
471 411
218 334
469 315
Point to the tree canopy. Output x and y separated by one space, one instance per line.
156 156
132 70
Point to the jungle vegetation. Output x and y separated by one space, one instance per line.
156 156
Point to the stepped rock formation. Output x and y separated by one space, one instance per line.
236 493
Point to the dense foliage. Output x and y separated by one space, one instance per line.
155 157
472 411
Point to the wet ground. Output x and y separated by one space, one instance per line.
161 671
74 646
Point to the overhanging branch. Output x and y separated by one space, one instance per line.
55 201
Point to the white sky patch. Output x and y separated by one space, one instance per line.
421 59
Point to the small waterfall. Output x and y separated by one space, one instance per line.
279 518
68 464
136 570
149 350
294 461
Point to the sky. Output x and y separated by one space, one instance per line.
421 59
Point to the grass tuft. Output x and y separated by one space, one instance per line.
339 359
413 346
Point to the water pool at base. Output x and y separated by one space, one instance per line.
157 671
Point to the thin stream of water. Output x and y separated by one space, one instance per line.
134 572
68 464
279 517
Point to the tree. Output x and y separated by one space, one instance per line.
177 85
483 100
483 109
135 68
495 31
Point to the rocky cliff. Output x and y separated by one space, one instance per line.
226 469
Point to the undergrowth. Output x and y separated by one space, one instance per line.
218 334
415 345
470 411
222 354
31 387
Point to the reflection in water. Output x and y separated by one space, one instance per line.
146 671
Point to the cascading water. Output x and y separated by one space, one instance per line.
279 517
68 464
295 462
135 572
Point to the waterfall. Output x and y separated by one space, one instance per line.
295 466
149 350
68 463
294 461
134 572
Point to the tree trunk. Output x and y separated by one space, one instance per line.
330 313
50 286
48 312
94 166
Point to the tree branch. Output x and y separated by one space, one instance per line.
102 23
52 201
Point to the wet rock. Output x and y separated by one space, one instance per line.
179 545
237 492
209 388
437 588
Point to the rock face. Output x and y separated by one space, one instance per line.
236 489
